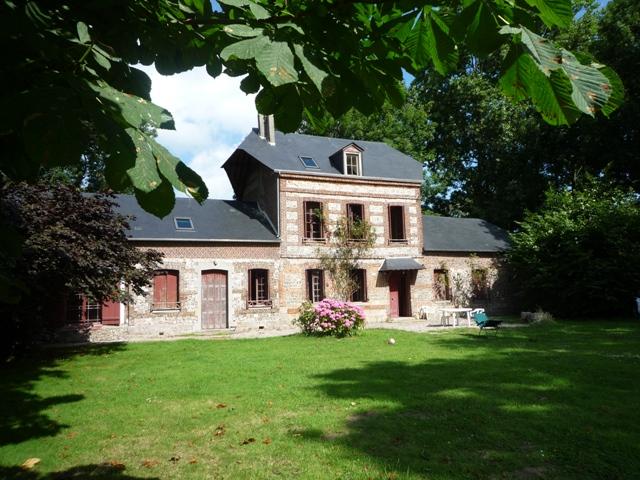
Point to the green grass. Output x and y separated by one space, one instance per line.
560 401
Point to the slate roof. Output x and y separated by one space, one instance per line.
379 160
447 234
214 220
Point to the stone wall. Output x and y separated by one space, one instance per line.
190 260
459 266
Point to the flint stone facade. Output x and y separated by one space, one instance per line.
265 229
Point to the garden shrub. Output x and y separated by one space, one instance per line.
330 317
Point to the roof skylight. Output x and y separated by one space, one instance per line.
308 162
183 223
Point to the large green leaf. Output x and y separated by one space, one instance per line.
617 90
178 173
239 30
554 12
136 111
144 174
245 49
429 40
159 202
478 25
316 75
551 95
276 62
591 89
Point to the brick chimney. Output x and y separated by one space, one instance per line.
266 128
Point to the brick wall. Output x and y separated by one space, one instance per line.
190 260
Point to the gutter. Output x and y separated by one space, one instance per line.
207 240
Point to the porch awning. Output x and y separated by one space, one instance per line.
394 264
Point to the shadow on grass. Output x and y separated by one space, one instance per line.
22 412
540 404
94 472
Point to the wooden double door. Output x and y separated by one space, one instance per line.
214 299
399 294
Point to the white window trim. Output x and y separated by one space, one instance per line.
344 163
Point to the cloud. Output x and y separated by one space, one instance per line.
212 116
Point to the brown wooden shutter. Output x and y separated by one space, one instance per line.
363 279
110 313
159 289
171 290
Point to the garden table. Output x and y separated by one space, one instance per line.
453 313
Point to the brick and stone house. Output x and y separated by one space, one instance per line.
249 263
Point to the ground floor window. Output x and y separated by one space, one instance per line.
315 285
359 277
259 288
441 285
165 290
480 284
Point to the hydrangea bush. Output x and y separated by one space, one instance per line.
330 317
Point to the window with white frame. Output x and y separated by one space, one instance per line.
353 164
315 285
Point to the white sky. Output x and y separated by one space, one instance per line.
212 116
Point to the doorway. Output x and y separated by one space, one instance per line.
214 299
399 294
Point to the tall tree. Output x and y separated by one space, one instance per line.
68 243
67 70
580 254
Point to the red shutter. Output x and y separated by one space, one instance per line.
111 313
172 290
159 289
364 285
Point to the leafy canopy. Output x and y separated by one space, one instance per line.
67 70
580 254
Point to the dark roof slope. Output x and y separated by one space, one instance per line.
447 234
214 220
378 159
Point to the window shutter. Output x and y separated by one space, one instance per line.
250 289
363 277
159 288
111 313
172 290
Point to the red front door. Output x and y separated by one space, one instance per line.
214 299
395 280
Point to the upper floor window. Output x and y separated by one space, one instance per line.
315 285
353 164
359 293
396 224
313 221
259 288
355 216
165 290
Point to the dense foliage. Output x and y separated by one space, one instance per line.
580 254
489 157
67 70
349 242
65 243
330 317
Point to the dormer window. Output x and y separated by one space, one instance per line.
353 164
183 223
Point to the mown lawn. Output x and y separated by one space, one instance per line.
560 401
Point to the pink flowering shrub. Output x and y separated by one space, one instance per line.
330 317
